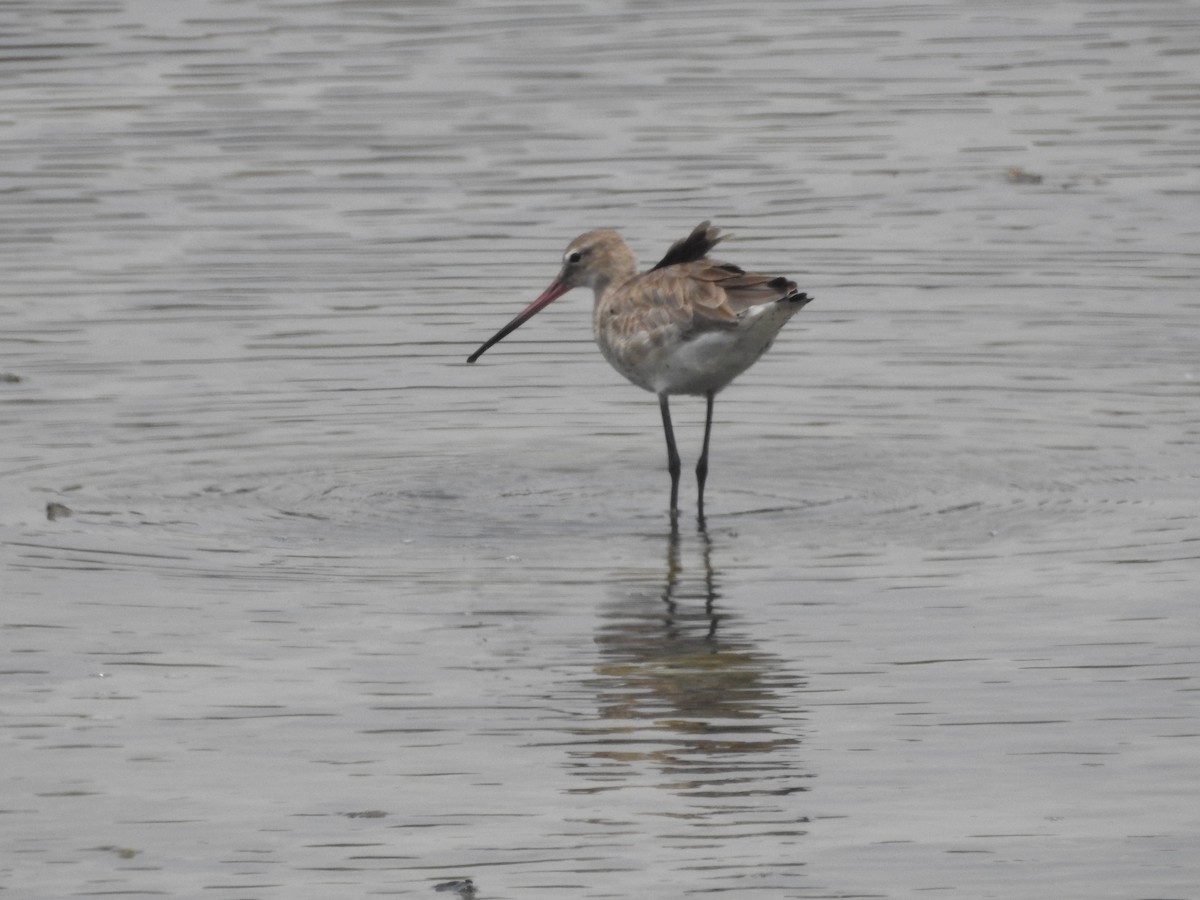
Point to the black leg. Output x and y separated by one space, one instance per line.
672 453
702 466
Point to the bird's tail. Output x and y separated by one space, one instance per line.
797 298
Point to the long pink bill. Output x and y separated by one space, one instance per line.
556 290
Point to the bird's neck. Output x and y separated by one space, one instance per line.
617 267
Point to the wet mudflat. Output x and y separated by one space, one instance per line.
297 603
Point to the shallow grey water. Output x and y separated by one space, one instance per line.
320 609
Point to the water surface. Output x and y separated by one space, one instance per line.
296 603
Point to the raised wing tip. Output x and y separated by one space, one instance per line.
695 246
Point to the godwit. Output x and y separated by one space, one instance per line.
690 325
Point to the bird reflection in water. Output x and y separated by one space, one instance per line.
678 686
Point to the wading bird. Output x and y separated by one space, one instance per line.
690 325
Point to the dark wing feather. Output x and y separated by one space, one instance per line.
739 289
692 248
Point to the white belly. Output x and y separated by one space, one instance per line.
666 362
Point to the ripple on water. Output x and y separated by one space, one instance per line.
944 621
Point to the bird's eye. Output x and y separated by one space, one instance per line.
574 256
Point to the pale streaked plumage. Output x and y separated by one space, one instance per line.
690 325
